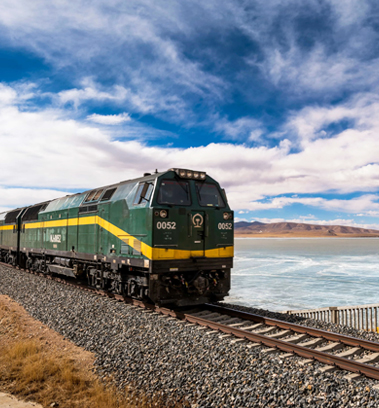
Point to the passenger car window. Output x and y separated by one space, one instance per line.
174 192
209 195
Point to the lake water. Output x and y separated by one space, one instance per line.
302 273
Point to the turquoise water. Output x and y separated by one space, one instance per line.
302 273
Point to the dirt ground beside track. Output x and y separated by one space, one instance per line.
40 366
16 324
9 401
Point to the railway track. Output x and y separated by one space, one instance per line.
336 351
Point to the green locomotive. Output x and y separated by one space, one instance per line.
165 237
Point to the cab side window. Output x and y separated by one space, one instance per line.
143 194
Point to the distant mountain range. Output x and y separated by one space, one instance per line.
294 229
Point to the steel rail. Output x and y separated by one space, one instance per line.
349 341
340 362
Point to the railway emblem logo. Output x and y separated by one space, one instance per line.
197 220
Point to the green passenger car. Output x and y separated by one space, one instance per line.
165 237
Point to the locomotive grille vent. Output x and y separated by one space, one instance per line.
89 208
125 248
108 194
90 196
10 218
137 248
32 213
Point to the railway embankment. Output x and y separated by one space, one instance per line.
39 365
164 357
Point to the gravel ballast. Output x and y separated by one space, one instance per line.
163 356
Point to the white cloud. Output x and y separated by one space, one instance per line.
146 100
350 12
366 205
255 135
324 56
91 92
44 149
7 95
240 129
134 44
18 197
109 119
318 71
312 122
157 51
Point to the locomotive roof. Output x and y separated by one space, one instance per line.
150 177
75 200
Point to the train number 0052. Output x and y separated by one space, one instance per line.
166 225
225 225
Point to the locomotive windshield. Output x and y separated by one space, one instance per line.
174 192
209 195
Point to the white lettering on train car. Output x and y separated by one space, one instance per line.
225 226
166 225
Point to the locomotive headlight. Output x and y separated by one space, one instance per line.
189 174
225 216
163 214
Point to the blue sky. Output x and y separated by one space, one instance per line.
276 100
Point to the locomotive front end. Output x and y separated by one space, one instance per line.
192 251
